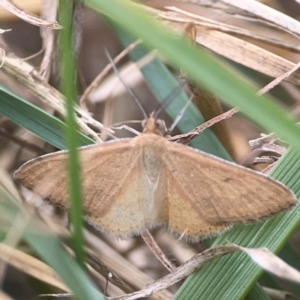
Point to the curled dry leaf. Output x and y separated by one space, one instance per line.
272 263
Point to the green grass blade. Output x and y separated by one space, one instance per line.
39 122
49 249
68 85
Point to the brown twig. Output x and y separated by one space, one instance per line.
152 245
265 160
30 18
95 262
265 139
27 76
278 80
49 10
187 137
266 143
180 272
21 142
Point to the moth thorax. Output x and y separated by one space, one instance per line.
152 163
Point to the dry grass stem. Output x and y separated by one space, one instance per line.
181 16
26 75
267 13
267 143
180 272
187 137
278 80
14 9
49 12
176 249
218 36
21 142
121 266
264 160
30 265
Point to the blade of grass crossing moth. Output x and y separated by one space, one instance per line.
162 83
68 86
201 68
39 122
49 249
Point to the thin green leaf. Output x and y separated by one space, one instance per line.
68 85
39 122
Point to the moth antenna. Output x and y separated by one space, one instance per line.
114 125
135 132
179 116
168 99
135 98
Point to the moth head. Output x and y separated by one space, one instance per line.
153 125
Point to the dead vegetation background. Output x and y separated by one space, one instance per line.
260 51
